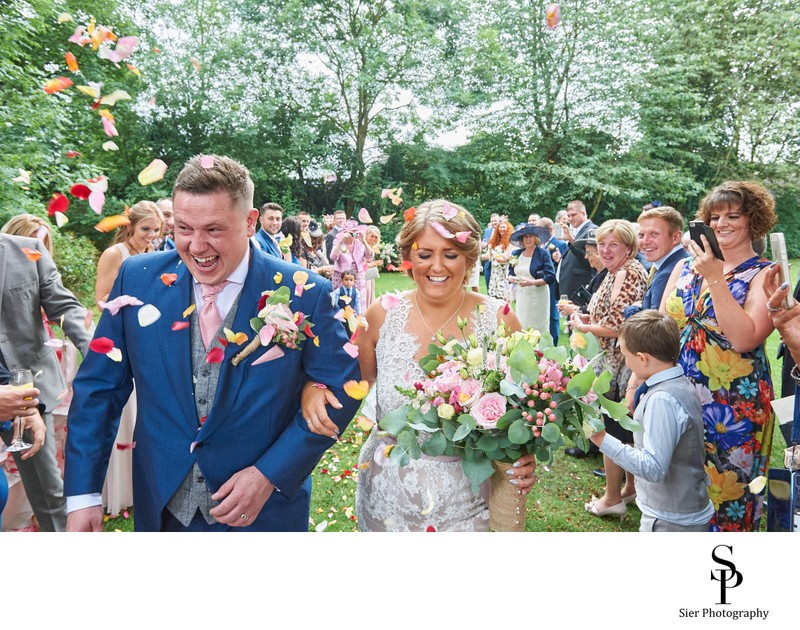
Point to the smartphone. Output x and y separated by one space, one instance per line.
778 246
696 228
558 230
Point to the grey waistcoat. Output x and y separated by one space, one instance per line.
193 494
684 489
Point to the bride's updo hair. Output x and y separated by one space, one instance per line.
434 210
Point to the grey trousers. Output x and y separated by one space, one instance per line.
651 524
41 477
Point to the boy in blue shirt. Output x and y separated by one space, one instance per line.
668 456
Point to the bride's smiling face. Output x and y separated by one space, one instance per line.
439 269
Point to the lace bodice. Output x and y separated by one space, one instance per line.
397 349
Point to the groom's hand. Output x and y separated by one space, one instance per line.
242 497
86 520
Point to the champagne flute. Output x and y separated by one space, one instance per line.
20 379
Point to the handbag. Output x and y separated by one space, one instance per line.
371 274
783 484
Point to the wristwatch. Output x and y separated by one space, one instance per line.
795 374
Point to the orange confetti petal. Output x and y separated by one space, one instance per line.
239 338
169 279
409 214
153 172
57 85
108 224
357 390
405 265
32 254
72 63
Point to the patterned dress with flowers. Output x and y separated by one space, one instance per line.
735 389
430 493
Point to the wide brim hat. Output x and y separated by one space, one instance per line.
589 239
314 230
542 233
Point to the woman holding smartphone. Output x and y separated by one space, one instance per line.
721 309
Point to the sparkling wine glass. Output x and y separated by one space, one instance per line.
20 379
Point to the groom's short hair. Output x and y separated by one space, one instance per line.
208 174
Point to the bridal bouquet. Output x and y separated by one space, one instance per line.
494 399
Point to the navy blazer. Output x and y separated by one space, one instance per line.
541 266
268 245
653 294
255 419
575 269
559 244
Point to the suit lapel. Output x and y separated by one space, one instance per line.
177 298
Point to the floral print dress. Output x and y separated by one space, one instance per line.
735 389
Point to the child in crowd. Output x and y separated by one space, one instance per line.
668 456
347 294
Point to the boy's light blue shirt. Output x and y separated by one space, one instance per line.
664 424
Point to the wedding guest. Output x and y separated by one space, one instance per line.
166 240
372 238
227 446
721 308
131 240
30 284
574 270
624 284
292 248
339 218
499 254
486 261
668 455
314 252
401 499
271 219
532 274
556 247
351 253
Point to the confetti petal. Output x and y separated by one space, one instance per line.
197 66
88 320
55 343
72 63
351 349
115 354
97 200
275 352
363 216
81 191
357 390
148 314
277 277
108 224
115 96
387 218
390 300
409 214
189 310
215 355
110 146
58 203
153 172
364 423
448 211
98 183
61 219
119 302
321 527
169 279
64 17
31 254
405 265
207 161
59 84
757 485
180 325
102 345
442 230
239 338
300 277
462 237
553 14
24 177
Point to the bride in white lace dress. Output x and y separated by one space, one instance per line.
430 493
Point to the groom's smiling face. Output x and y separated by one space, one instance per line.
211 234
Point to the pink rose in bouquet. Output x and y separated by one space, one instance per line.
468 392
488 410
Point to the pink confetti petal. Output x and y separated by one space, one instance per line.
448 211
55 343
339 315
350 349
298 290
97 200
119 302
275 352
215 355
441 230
363 216
192 447
462 237
390 300
506 308
180 325
207 161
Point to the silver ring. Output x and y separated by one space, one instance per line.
244 517
774 310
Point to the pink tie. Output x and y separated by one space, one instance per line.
209 316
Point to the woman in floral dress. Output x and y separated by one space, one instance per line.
721 309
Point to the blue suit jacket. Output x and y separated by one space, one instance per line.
255 419
268 246
558 243
541 266
653 294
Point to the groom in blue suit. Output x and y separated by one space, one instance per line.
218 445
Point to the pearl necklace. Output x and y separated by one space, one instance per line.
433 334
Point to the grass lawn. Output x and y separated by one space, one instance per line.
555 504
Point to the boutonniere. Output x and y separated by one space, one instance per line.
276 323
